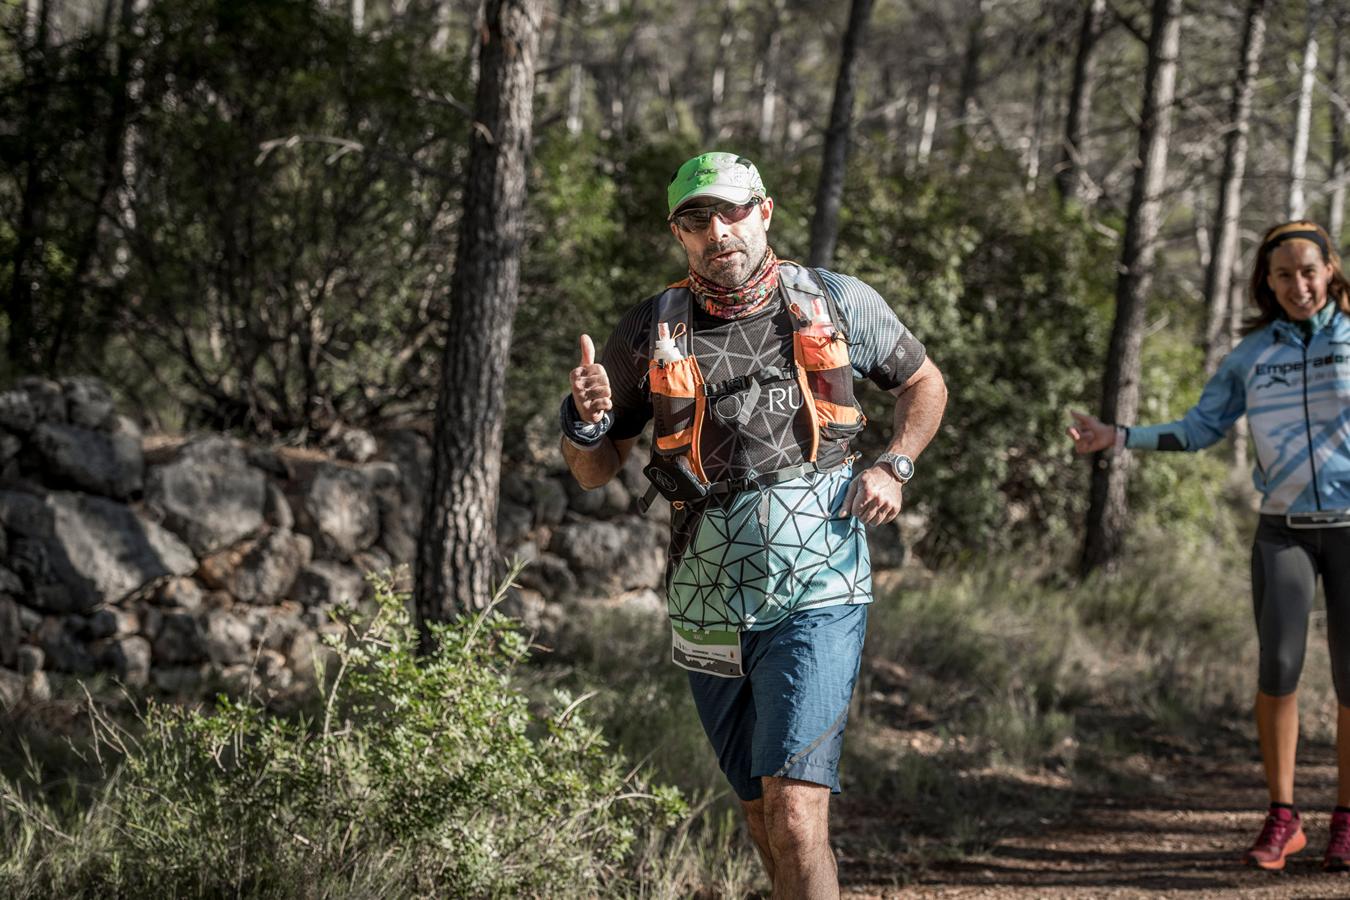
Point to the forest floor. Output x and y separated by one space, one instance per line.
1171 821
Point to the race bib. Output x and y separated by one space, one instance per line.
710 652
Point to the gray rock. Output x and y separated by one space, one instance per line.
9 631
268 571
49 401
181 639
89 403
549 574
401 512
515 488
29 619
209 495
37 687
11 689
181 592
308 652
340 507
128 657
327 583
75 551
277 509
270 461
64 651
94 461
181 681
372 559
17 412
605 502
110 621
240 680
382 475
271 667
127 426
398 526
513 522
549 499
356 445
29 659
9 582
274 627
228 638
152 620
9 447
609 557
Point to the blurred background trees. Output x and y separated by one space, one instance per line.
244 214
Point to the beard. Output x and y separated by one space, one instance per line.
733 270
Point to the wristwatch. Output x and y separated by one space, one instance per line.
901 466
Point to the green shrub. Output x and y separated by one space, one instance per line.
427 776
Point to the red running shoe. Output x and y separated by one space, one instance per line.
1338 848
1281 837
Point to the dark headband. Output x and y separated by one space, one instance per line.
1313 236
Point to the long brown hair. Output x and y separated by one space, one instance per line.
1268 308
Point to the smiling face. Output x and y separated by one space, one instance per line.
727 254
1299 278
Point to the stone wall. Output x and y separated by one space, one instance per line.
189 565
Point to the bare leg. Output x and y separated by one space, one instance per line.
1277 728
759 833
797 816
1343 756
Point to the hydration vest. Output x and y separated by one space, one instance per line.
682 400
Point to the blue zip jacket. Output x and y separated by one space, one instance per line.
1294 385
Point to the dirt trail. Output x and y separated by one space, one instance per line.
1183 839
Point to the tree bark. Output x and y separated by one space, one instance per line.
1223 256
930 113
24 346
1298 155
1069 177
712 118
1107 509
830 189
1336 199
457 545
768 69
970 76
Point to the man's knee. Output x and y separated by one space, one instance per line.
796 813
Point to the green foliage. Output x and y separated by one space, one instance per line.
427 775
1011 298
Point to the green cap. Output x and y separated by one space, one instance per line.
725 176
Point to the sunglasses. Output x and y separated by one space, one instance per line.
698 218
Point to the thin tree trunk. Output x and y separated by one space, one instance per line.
24 346
970 76
1107 509
457 546
1069 174
834 163
1336 199
768 68
1032 161
1237 307
357 10
712 119
1298 156
930 114
1223 257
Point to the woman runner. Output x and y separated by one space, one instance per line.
1290 375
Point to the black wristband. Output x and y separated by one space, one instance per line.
583 434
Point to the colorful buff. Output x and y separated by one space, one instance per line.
745 299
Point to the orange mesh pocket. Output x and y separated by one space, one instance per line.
675 379
815 353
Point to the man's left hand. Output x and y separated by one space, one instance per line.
874 496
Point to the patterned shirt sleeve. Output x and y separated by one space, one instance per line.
879 346
625 360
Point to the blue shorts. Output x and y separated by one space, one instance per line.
786 716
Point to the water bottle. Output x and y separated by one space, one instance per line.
665 351
820 326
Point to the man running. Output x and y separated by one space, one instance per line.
747 367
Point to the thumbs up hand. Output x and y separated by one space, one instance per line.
590 384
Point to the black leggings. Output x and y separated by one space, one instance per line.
1285 565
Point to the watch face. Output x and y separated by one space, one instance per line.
903 466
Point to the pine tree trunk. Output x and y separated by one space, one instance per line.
1223 257
970 76
712 121
457 546
1069 175
768 69
1107 509
830 190
1336 199
1298 155
930 113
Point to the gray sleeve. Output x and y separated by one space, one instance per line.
880 347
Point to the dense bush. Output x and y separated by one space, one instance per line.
427 776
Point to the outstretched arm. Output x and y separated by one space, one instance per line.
875 495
